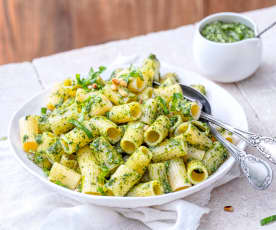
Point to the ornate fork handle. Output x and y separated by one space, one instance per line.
265 145
257 171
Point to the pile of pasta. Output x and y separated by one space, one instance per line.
122 137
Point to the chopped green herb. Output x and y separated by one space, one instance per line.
92 78
43 111
82 127
25 138
163 105
38 139
268 220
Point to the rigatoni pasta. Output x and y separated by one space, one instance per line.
125 113
133 137
124 136
28 126
158 131
91 172
177 175
151 188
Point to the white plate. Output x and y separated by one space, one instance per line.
224 106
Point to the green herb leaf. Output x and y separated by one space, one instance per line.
25 138
92 77
163 105
43 111
82 127
38 139
268 220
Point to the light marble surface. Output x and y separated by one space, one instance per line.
256 94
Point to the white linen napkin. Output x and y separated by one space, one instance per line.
26 203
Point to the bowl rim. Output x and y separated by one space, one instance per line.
238 16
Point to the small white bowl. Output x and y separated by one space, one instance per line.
227 62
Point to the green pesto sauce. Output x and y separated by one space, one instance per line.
226 32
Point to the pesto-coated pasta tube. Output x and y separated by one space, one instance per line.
136 84
60 93
49 144
197 138
151 188
60 174
171 76
151 69
77 138
181 128
146 94
169 149
69 161
139 160
107 156
149 109
60 123
214 157
177 174
169 81
90 171
133 137
122 181
196 171
158 171
194 153
175 120
28 128
200 88
107 129
125 113
114 96
202 126
168 91
158 131
99 103
192 111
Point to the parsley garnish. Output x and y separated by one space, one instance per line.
92 77
82 127
38 139
25 138
163 105
43 111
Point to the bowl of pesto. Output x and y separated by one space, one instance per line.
225 47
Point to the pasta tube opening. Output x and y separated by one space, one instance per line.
128 146
181 128
114 134
152 137
195 111
197 171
